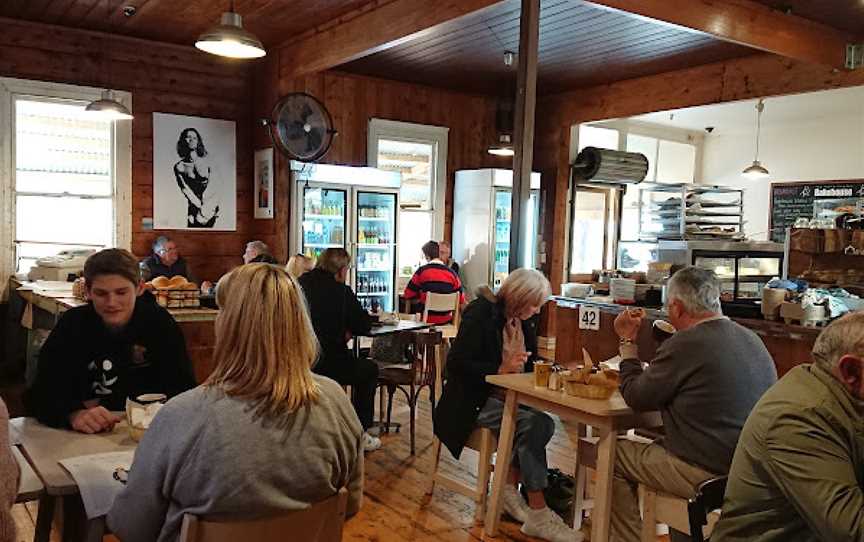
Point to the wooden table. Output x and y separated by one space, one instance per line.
43 448
389 329
608 417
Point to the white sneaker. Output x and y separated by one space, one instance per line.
514 505
370 443
548 525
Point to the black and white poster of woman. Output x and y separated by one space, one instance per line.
194 173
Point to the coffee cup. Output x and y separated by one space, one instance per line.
542 371
662 330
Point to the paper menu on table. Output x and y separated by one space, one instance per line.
94 475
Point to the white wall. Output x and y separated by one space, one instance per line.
804 149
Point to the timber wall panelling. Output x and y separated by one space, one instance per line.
164 78
352 100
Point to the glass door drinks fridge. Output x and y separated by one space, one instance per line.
375 257
503 211
324 219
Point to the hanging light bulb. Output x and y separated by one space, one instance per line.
756 170
108 107
503 148
230 39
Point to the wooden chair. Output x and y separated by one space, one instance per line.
443 303
695 516
484 442
321 522
412 378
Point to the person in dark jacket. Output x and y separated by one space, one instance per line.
165 261
498 336
337 316
121 344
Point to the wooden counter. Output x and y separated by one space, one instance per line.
196 324
789 345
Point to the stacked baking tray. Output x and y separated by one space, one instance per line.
690 211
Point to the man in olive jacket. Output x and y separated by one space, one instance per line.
798 470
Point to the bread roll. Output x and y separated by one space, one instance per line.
161 282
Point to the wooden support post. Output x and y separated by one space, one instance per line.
523 131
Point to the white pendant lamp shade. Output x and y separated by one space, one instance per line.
108 107
503 148
230 39
756 170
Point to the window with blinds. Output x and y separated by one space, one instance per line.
63 182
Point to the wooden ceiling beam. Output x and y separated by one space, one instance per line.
369 32
748 23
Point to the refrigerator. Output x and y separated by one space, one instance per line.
481 226
355 208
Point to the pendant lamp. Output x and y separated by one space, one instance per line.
108 107
503 148
756 170
230 39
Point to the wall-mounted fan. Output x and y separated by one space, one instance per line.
301 127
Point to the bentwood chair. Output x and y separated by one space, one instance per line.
321 522
411 378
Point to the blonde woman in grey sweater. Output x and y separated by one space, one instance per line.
262 435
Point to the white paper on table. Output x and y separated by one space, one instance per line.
47 285
94 475
613 363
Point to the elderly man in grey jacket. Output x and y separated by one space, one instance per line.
704 381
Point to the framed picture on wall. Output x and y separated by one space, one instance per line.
264 183
194 173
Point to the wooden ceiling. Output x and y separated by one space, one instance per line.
580 45
181 21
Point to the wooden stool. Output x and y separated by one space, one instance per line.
484 442
586 458
695 517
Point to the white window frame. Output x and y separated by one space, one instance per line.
418 133
12 89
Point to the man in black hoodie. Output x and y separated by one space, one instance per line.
121 344
337 317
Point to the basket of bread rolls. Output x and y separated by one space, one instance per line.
175 293
589 385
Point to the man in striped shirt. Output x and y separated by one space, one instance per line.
434 277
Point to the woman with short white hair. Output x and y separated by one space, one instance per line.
498 335
262 435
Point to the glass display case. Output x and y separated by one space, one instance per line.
743 268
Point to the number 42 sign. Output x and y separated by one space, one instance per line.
589 318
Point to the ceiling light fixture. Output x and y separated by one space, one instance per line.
108 107
503 148
756 170
230 39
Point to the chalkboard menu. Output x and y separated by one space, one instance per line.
824 199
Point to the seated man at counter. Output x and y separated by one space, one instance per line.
434 277
797 471
704 381
257 251
165 261
337 316
121 344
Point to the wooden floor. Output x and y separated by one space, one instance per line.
395 507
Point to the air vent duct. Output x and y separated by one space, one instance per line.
609 166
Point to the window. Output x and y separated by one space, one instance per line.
419 153
66 176
588 239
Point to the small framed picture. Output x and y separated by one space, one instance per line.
264 183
